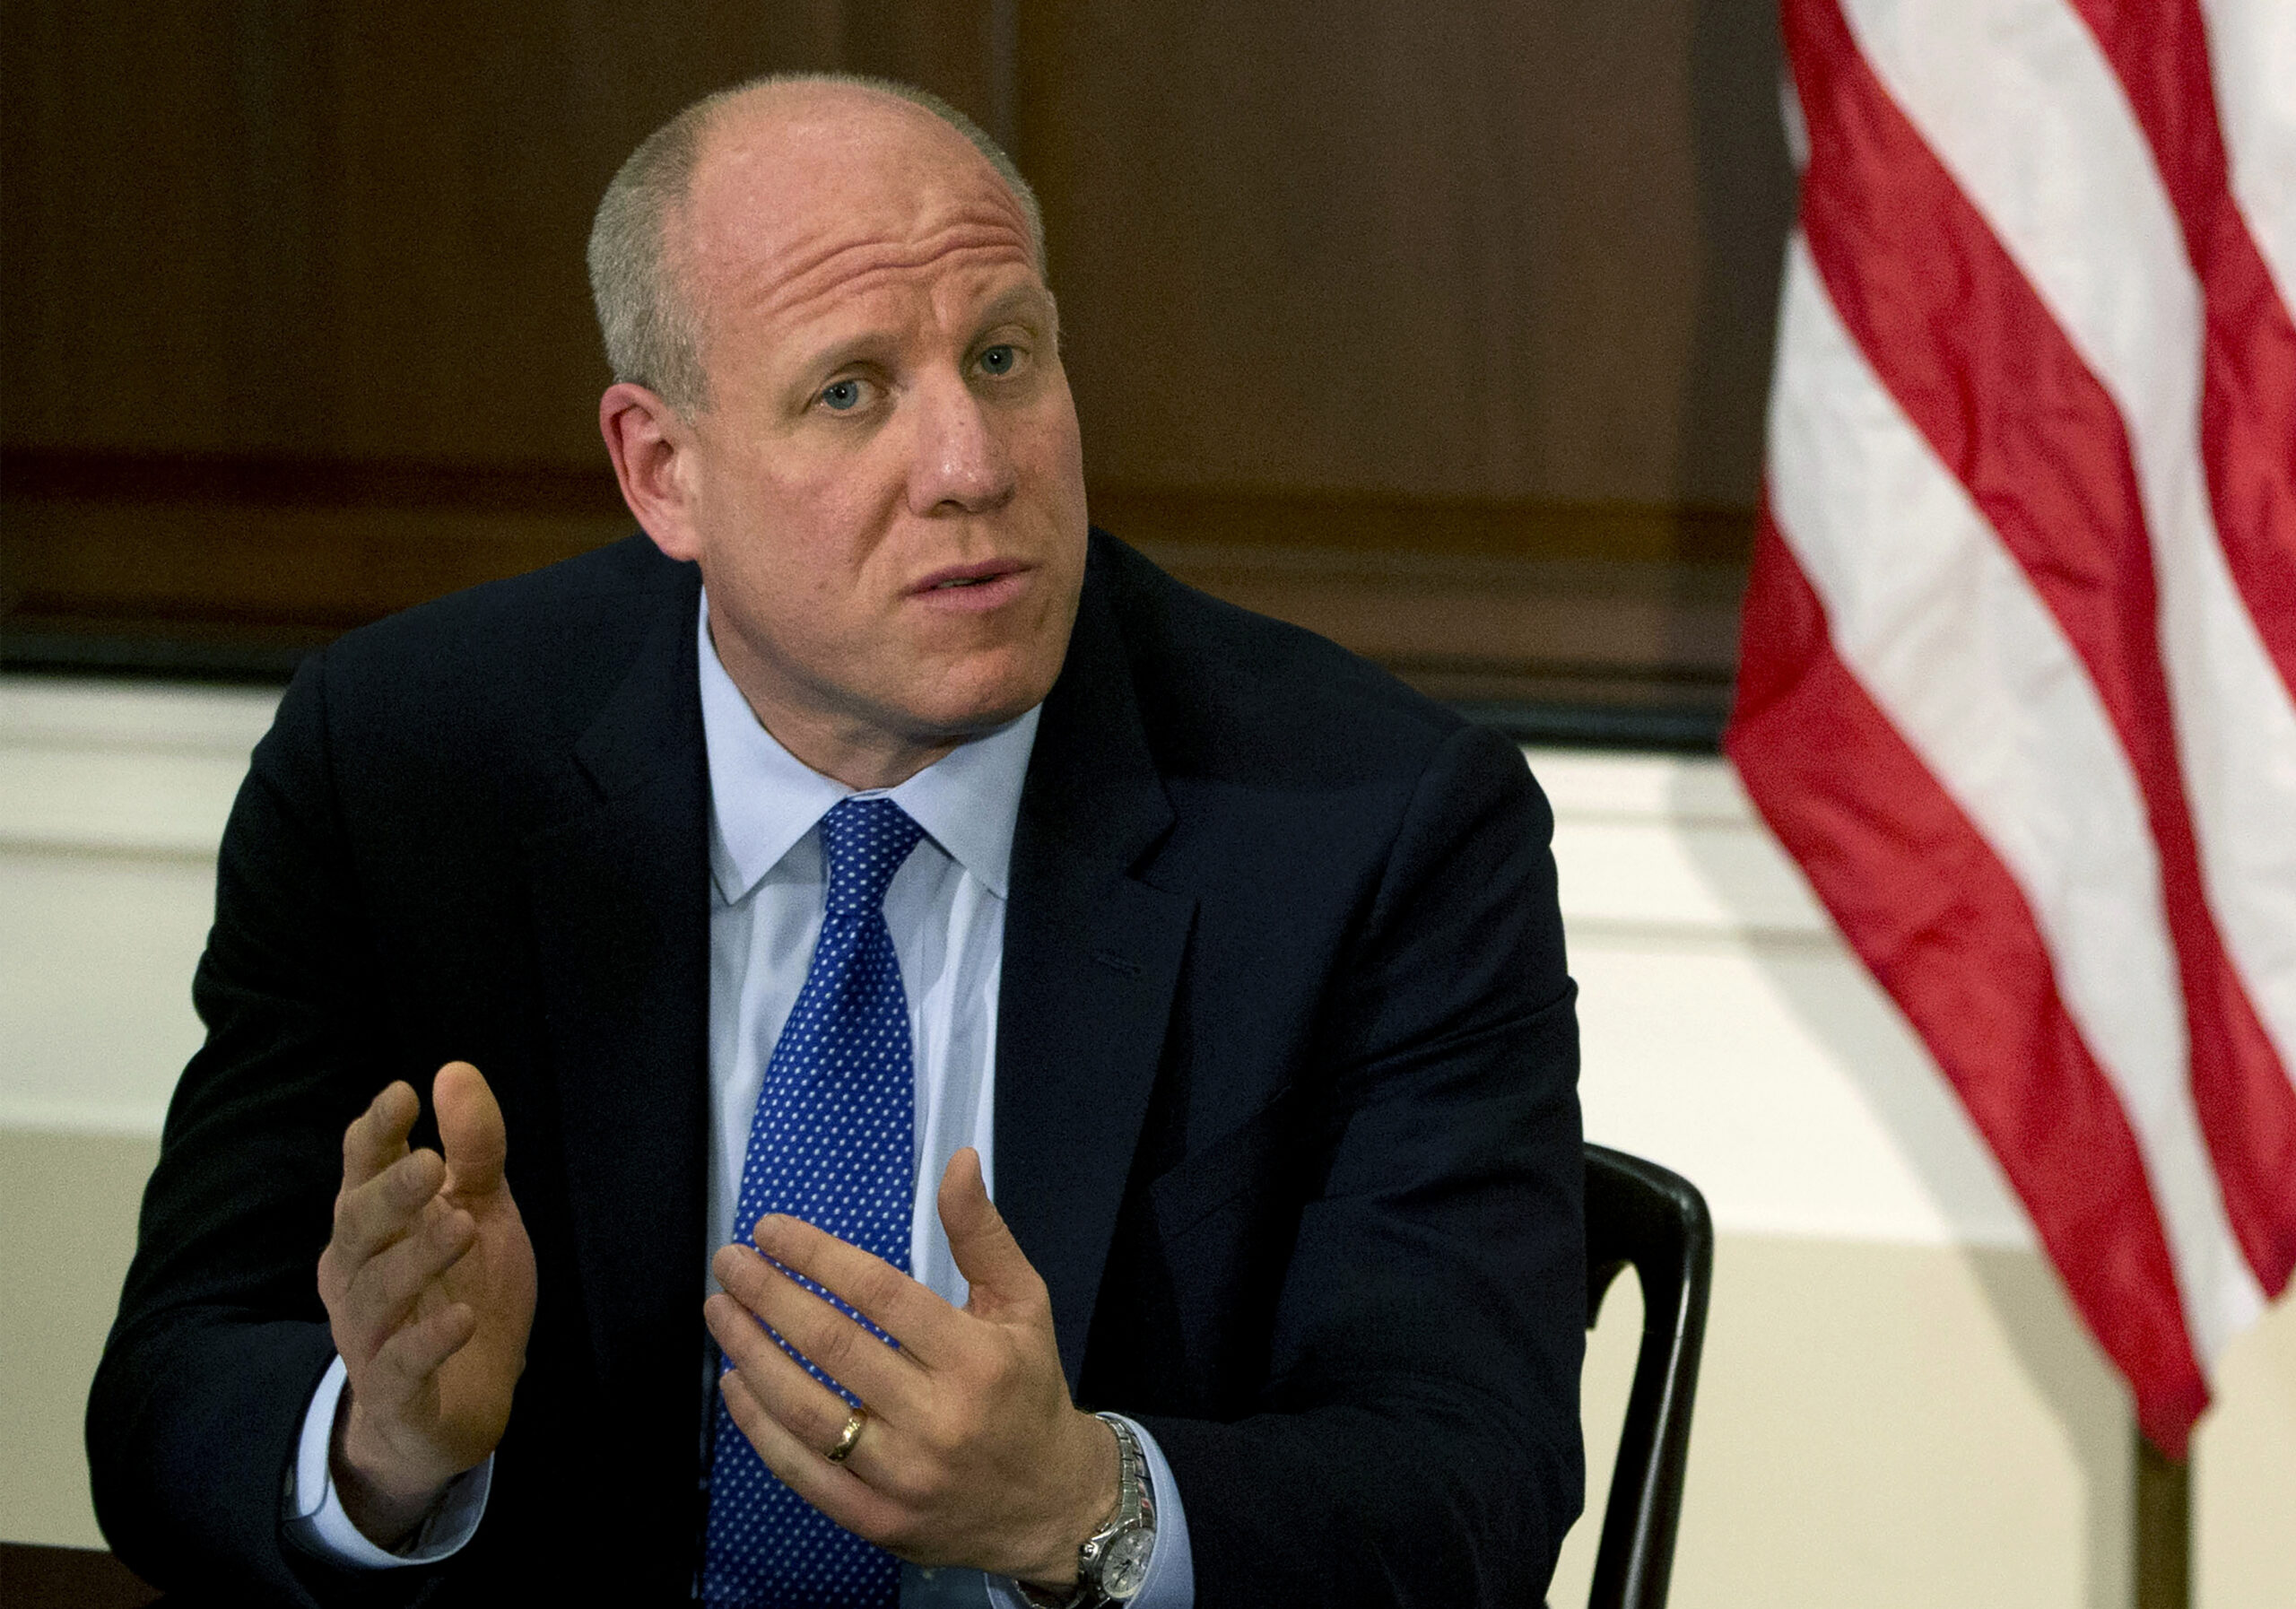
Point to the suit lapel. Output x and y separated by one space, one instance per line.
620 893
1091 957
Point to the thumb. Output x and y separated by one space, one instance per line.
986 1253
470 1129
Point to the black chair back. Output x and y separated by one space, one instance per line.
1641 1213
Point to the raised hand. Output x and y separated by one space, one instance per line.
429 1281
972 1453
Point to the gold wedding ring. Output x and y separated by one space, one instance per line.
848 1437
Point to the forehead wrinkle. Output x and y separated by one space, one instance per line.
883 256
835 272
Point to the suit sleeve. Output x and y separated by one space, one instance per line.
220 1338
1416 1440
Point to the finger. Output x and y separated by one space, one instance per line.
385 1287
986 1253
470 1129
832 1342
405 1362
377 1137
801 1404
384 1209
836 1490
871 1287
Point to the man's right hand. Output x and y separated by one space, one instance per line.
428 1283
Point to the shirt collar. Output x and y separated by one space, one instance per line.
763 799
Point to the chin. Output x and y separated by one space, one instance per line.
974 717
967 702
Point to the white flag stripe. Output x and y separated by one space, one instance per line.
2252 55
2018 102
2240 770
1945 633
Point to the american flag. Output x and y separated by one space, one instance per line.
2019 685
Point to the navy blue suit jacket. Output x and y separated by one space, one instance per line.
1285 1093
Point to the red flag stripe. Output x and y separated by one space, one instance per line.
1946 636
2017 101
1977 361
2159 50
1928 904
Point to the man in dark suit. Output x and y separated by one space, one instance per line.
1286 1146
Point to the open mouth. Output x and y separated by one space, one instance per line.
971 577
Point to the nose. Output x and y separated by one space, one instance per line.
960 461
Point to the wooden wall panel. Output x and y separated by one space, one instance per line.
355 230
1378 316
1454 250
127 266
1608 606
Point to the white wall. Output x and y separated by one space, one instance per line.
112 797
1896 1408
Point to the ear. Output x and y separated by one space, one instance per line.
652 449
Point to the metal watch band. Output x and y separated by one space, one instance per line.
1135 1512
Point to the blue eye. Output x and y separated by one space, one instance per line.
843 397
999 360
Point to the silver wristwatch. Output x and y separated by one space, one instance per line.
1112 1563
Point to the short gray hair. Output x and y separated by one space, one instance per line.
652 330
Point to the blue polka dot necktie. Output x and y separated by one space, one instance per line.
832 1143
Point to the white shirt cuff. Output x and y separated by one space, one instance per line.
1171 1568
314 1516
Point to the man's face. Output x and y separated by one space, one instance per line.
886 484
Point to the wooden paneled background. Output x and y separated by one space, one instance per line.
1443 327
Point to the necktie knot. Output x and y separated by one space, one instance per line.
864 842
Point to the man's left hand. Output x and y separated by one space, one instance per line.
972 1453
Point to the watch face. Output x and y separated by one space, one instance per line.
1126 1569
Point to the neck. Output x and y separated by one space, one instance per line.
862 760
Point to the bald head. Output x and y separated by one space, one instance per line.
788 139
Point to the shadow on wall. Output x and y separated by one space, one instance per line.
1910 1100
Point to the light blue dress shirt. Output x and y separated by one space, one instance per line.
946 909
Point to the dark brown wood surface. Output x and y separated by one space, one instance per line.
1473 601
353 230
1442 329
1486 250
